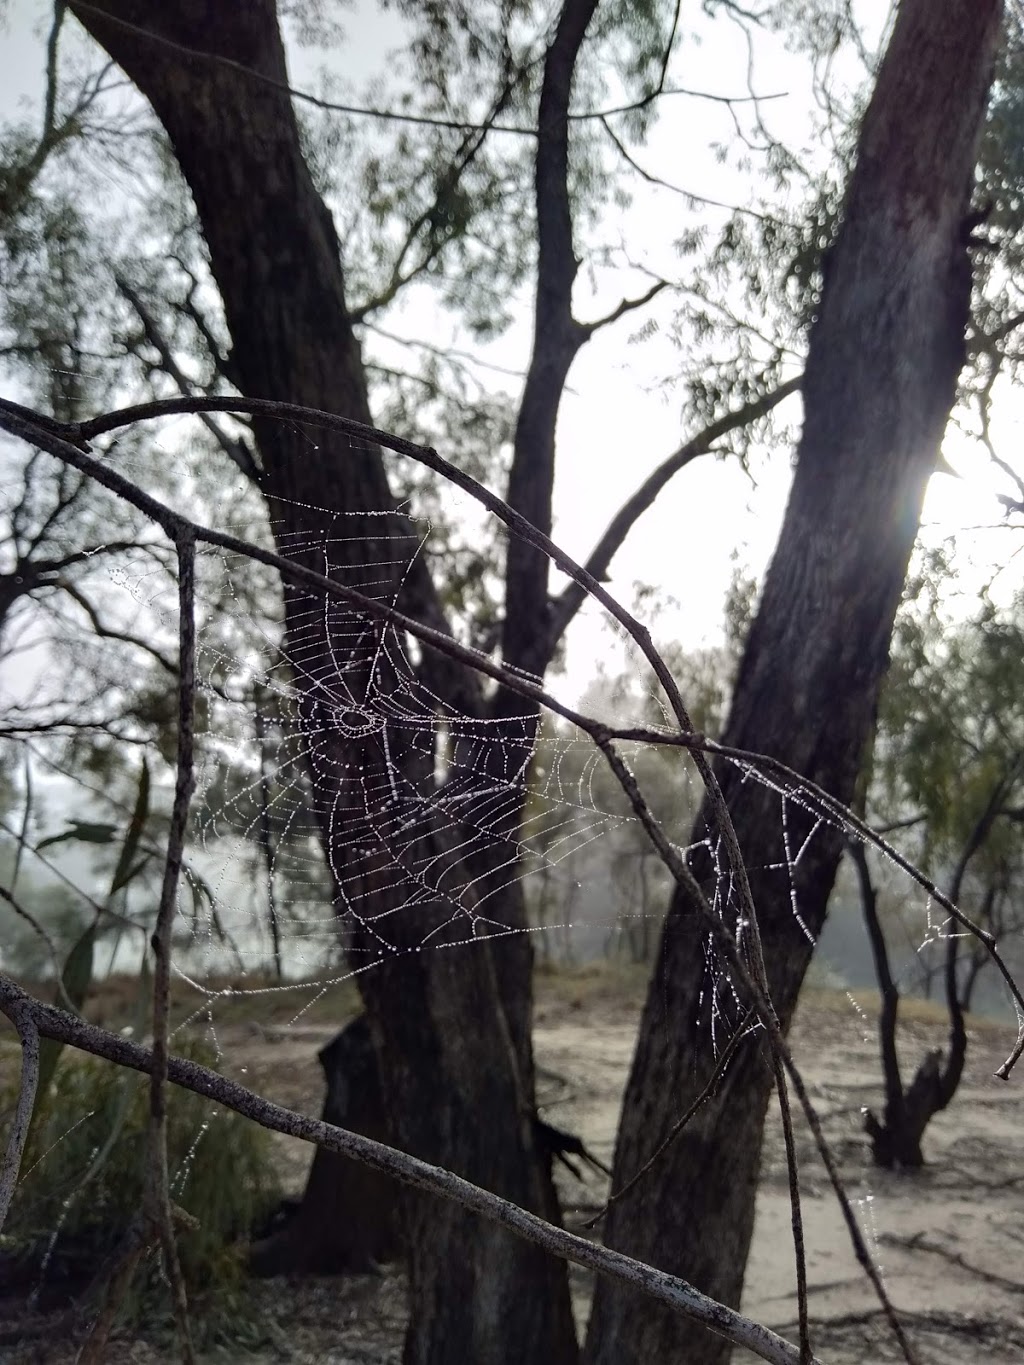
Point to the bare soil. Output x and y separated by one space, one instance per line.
949 1239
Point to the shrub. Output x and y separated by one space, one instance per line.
83 1184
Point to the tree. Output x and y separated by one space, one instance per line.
947 770
884 355
231 124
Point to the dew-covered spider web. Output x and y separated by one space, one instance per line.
360 798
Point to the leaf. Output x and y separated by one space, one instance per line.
127 866
81 831
77 974
75 981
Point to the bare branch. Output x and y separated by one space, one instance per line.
657 180
105 632
236 449
21 1017
626 306
51 947
470 146
743 1029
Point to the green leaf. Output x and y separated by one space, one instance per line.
77 974
75 981
127 865
81 831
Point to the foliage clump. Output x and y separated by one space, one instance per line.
82 1194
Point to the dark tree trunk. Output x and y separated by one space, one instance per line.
447 1028
883 361
349 1217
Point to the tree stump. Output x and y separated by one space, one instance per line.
348 1219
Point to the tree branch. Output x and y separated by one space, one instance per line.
626 306
568 603
237 450
557 338
657 180
471 144
105 632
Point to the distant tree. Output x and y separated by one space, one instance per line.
948 783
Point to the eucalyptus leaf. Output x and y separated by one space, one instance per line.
83 832
76 979
125 869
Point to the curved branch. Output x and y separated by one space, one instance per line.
571 599
105 632
236 449
468 149
626 306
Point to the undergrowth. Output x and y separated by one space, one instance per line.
82 1188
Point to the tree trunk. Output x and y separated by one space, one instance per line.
883 359
349 1217
447 1036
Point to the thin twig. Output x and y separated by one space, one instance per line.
10 1168
393 115
680 1124
158 1188
39 929
796 1212
565 607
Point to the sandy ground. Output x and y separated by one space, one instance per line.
949 1239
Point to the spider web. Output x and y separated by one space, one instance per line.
368 762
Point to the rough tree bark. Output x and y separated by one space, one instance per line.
883 360
274 255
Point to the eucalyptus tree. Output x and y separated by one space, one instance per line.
884 357
219 89
947 779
